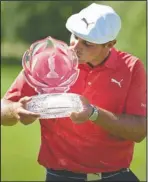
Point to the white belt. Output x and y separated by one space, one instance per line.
98 176
92 176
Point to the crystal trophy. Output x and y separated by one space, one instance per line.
50 67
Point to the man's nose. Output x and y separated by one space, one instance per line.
75 45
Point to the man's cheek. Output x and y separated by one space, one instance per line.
72 40
72 43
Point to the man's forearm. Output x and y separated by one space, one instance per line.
7 116
129 127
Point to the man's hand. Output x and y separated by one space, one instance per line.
25 117
12 112
85 114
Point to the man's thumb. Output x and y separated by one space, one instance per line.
25 99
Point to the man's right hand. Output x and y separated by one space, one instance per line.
12 112
26 117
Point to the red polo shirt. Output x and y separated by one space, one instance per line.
119 86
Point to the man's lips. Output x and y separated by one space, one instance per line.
79 55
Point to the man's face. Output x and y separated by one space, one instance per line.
86 51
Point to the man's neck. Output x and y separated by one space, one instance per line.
95 63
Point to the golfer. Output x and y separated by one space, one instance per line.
98 143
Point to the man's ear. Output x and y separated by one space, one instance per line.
110 44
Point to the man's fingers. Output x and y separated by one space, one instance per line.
28 113
81 116
74 116
25 99
84 100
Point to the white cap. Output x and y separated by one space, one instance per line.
96 23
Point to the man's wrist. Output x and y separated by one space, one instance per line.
95 113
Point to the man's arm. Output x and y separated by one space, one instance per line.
12 112
14 102
8 118
130 125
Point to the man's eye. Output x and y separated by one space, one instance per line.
75 37
88 44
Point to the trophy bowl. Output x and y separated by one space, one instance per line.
51 68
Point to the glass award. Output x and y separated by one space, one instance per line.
51 68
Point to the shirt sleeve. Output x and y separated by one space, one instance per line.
19 88
136 97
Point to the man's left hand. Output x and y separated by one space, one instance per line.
81 117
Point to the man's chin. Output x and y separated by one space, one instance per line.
81 61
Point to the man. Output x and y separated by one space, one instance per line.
98 143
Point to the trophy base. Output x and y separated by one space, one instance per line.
55 105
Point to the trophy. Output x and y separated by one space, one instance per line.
50 67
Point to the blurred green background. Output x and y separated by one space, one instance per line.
24 22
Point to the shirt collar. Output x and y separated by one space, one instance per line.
111 61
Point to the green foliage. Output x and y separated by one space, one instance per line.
28 21
132 37
32 20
